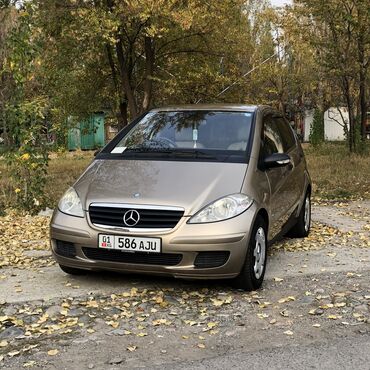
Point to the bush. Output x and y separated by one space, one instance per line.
317 133
28 160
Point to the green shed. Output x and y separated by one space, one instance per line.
88 134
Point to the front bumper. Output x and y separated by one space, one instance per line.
187 240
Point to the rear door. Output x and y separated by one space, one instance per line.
296 175
280 179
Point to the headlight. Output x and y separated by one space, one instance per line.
71 204
222 209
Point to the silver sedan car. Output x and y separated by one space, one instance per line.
196 191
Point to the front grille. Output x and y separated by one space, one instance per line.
149 218
211 259
164 259
65 249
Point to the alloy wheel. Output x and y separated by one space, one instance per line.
259 252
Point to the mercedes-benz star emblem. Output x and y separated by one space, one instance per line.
131 218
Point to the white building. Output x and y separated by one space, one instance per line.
335 119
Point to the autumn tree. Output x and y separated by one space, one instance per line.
23 108
8 16
339 32
130 54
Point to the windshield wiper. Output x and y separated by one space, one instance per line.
195 153
171 152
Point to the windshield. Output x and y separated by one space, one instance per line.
192 133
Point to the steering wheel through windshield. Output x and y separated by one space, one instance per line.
162 142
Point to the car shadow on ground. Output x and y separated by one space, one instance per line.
129 280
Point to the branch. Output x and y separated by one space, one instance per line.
200 34
189 51
112 66
344 124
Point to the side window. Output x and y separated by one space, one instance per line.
271 141
286 133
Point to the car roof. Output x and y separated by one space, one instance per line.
211 107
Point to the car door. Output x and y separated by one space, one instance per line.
279 178
296 179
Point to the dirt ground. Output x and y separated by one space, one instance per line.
313 310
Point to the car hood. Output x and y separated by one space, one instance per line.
190 185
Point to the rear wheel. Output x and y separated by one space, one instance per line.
253 270
72 270
302 228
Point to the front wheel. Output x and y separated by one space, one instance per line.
253 271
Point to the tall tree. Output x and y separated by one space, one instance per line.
339 31
139 47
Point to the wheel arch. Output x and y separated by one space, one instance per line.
263 213
309 189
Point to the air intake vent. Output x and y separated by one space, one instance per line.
65 249
164 259
211 259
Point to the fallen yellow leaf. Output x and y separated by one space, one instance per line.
286 299
340 304
53 352
217 302
332 317
29 363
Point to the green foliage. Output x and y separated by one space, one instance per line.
24 113
317 134
362 145
27 162
338 31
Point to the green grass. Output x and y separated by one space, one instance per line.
63 171
336 175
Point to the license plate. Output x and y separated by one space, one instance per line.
130 243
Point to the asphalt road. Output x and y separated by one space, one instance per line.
312 313
346 353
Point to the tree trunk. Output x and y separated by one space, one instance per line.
352 127
149 69
125 80
122 115
351 114
362 86
123 121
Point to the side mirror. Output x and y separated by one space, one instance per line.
276 160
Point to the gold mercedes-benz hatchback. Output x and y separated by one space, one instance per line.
196 191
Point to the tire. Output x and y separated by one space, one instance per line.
252 273
302 228
72 270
